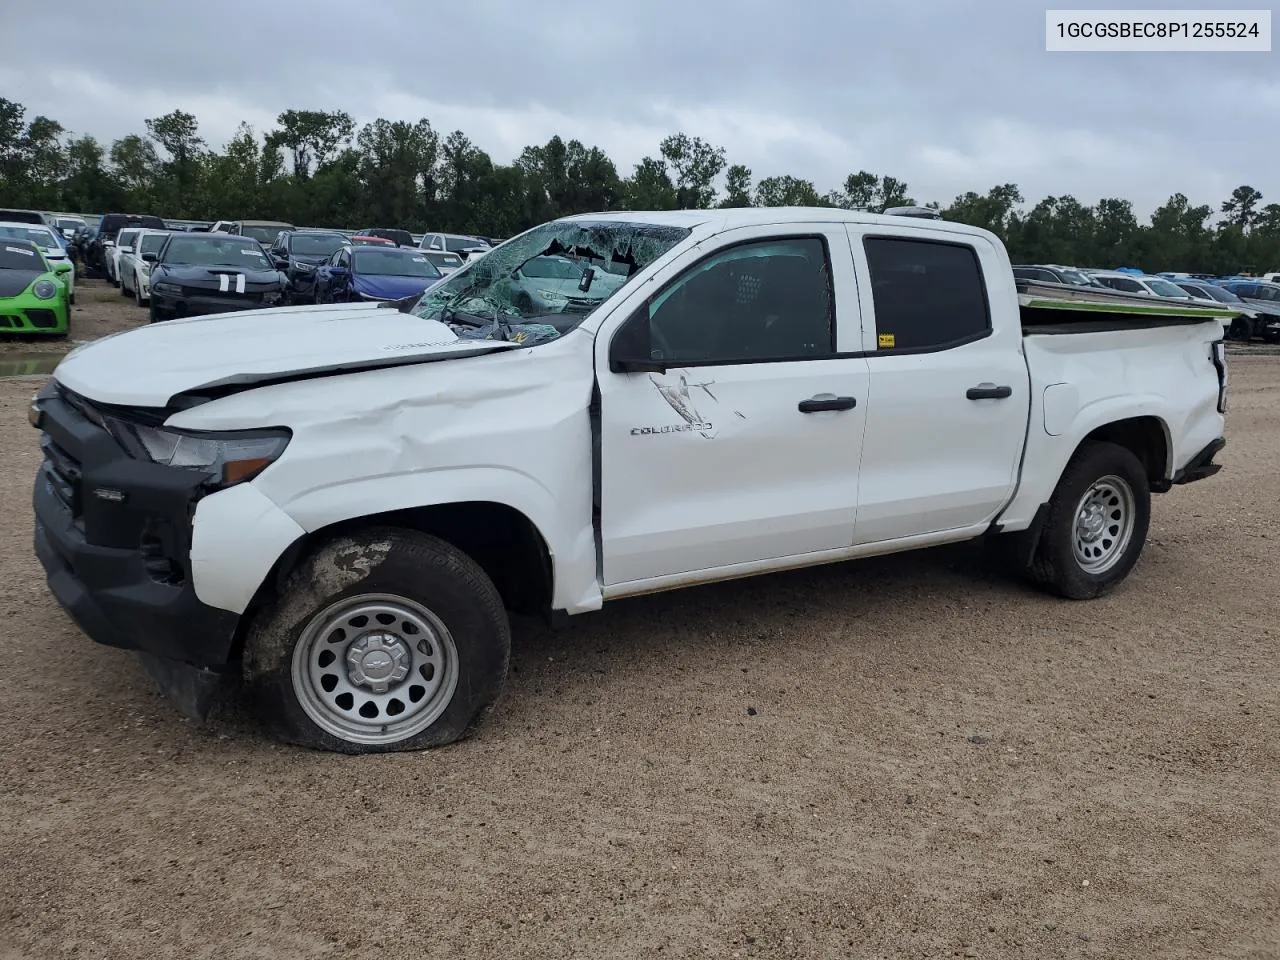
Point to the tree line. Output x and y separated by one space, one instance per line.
316 168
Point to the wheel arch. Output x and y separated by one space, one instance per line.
503 540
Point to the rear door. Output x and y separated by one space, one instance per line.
949 389
746 449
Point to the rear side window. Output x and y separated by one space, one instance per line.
927 295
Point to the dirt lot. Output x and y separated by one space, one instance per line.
907 757
99 310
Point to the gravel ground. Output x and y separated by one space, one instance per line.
905 757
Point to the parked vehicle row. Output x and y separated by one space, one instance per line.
1255 299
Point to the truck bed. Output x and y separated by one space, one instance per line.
1049 308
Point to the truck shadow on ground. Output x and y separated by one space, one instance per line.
629 641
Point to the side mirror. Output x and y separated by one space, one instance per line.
631 350
148 258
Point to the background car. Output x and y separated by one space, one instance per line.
548 284
1047 273
32 297
22 216
446 263
1256 319
1140 283
460 244
111 256
366 240
297 254
67 225
46 238
98 252
401 238
374 273
264 231
201 273
135 272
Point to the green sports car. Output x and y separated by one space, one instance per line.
33 298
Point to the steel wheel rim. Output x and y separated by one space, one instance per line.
1103 524
375 668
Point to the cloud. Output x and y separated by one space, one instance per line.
948 95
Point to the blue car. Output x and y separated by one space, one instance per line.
356 273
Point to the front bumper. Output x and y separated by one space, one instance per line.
50 317
114 537
201 304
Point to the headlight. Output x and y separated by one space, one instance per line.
45 290
228 458
553 296
304 267
172 289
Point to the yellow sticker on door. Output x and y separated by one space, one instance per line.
885 341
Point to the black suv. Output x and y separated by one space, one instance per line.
298 253
112 223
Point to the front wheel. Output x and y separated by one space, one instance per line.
155 314
1097 523
385 640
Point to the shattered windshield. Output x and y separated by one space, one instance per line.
539 286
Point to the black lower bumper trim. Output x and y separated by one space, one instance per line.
192 690
1201 465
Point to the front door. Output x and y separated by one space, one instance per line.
746 448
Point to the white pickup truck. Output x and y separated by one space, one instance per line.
341 503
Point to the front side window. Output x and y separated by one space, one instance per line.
927 294
1123 284
766 300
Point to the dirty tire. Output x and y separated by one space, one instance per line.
385 562
1055 565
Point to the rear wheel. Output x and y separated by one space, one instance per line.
1097 523
1241 329
381 641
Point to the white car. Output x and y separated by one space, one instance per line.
342 502
468 248
551 284
125 241
444 261
1139 283
134 271
67 224
44 238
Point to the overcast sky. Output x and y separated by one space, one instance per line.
949 95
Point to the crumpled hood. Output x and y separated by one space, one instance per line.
150 365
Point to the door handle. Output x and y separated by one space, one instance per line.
988 391
827 402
